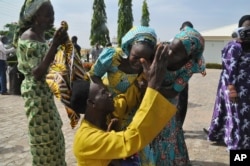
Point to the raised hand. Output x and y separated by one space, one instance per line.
155 72
61 35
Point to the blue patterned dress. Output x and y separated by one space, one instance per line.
231 121
169 147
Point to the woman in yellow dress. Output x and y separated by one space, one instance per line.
121 66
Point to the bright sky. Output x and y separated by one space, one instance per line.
166 16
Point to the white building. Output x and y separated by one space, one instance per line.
215 40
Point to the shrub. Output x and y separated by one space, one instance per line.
213 66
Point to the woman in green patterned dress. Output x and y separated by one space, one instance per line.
46 139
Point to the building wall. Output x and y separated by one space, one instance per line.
212 52
215 40
213 47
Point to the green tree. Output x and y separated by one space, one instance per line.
11 28
9 32
99 30
145 14
125 18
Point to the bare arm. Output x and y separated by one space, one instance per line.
59 38
97 80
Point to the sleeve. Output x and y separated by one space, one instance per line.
6 51
203 64
199 65
30 55
92 143
125 102
1 50
193 66
103 63
230 59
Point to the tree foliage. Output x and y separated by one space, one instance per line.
9 32
125 18
11 28
99 30
145 14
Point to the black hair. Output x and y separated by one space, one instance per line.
79 95
186 23
74 38
243 19
245 44
4 39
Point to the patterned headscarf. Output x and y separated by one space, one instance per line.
192 41
138 34
27 12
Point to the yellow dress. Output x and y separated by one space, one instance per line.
95 147
106 66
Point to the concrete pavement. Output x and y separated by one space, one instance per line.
202 93
14 148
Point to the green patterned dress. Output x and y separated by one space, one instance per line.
46 139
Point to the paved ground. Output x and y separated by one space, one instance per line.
14 148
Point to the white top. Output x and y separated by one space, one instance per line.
4 51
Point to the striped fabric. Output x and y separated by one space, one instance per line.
66 68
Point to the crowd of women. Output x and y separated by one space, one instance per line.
129 108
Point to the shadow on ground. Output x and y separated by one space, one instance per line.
200 135
193 105
207 163
16 148
195 134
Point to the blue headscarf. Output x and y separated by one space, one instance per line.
138 34
194 45
192 41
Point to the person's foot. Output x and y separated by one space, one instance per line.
5 93
205 131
